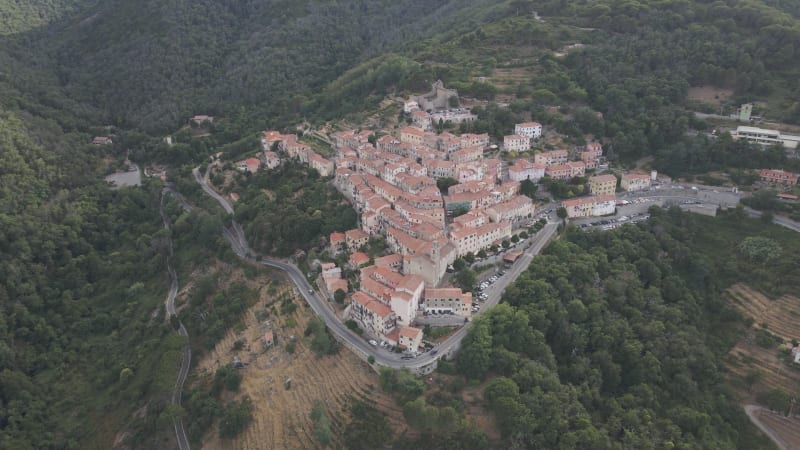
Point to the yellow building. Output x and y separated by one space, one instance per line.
603 184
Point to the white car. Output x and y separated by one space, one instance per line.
373 342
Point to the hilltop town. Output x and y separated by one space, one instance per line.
434 198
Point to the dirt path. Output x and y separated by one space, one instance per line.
754 413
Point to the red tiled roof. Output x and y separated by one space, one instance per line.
410 332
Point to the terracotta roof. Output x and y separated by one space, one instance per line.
388 260
355 234
410 332
413 130
371 304
359 258
589 199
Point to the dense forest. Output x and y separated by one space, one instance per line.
616 340
290 208
257 59
81 293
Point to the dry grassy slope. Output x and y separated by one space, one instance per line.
787 429
782 317
281 417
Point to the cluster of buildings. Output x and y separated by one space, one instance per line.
777 177
554 163
602 189
391 181
392 184
524 134
289 144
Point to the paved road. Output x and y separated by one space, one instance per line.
236 237
186 357
777 220
203 181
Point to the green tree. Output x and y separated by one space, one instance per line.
321 423
469 257
444 184
227 377
759 249
466 279
235 418
339 295
528 188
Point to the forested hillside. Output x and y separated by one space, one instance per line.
617 340
23 15
150 64
81 273
634 62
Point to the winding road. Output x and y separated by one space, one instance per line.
423 363
235 235
186 357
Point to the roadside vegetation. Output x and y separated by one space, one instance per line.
578 351
298 209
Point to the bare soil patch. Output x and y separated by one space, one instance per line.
709 94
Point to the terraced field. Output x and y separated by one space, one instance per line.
280 415
782 318
785 431
782 315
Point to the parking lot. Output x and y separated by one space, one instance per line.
480 294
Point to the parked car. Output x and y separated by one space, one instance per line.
373 342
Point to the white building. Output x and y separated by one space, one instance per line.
596 205
409 106
635 181
516 143
531 129
444 300
519 207
526 170
409 339
766 137
475 239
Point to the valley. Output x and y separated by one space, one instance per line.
608 332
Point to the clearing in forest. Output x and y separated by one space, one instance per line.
709 94
781 318
281 416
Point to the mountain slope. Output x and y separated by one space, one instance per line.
152 63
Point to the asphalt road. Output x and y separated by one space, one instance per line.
203 181
186 357
236 237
